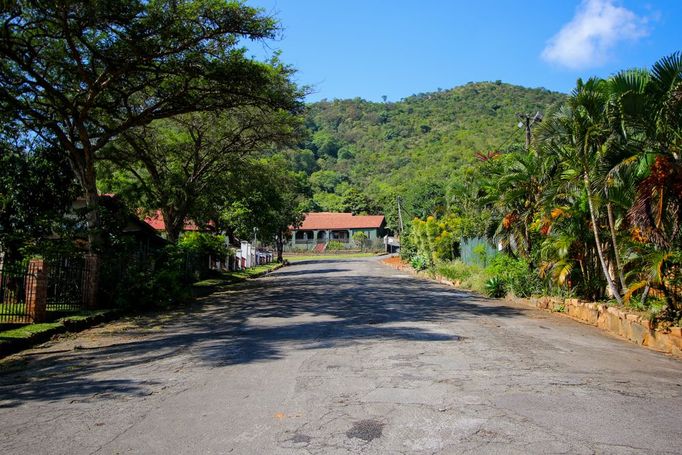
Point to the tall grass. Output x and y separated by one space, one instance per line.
471 277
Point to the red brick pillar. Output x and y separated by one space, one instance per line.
36 290
91 269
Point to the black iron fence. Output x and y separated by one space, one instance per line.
16 288
31 291
66 281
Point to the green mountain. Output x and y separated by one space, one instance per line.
361 155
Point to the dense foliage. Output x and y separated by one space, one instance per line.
157 102
80 74
361 156
594 207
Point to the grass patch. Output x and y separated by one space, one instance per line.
465 276
238 276
83 315
208 283
21 337
27 331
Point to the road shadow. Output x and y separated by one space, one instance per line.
306 307
310 272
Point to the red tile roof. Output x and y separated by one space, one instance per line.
156 221
330 220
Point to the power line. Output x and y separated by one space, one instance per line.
506 142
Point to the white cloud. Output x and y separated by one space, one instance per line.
597 27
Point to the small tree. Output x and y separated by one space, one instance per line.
268 195
360 239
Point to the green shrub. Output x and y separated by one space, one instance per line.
360 239
202 243
495 287
466 276
476 282
419 262
516 274
407 248
335 245
155 281
455 270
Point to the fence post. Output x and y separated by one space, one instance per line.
91 268
36 290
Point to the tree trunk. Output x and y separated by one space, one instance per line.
84 165
616 254
597 241
529 246
172 225
92 217
280 247
645 294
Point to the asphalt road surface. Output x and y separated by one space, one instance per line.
335 357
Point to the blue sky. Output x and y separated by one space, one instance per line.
371 48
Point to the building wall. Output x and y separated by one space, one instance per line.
373 234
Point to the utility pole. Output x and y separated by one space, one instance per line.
400 216
527 122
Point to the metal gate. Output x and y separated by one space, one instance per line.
16 283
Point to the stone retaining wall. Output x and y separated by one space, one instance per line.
630 326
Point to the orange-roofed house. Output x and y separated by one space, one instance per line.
156 221
322 227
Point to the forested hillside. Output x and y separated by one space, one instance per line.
361 155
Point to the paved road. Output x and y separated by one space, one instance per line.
342 357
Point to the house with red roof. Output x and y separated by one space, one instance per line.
156 221
323 227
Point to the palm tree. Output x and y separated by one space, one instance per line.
650 106
578 134
520 188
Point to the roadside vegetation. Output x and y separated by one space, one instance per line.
134 108
238 276
592 209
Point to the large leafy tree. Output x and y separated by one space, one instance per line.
37 188
78 74
184 166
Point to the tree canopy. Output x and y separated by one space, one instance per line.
185 165
79 74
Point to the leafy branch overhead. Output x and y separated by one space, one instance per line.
78 74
